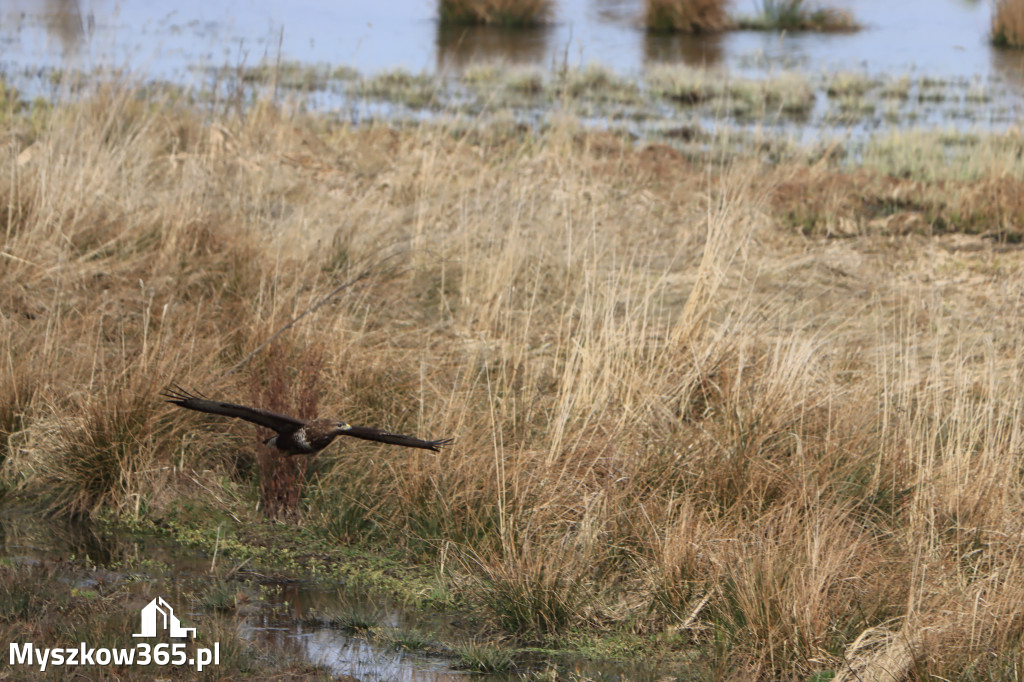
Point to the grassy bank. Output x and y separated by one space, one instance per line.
766 416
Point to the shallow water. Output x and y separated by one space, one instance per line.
290 617
942 38
282 623
344 654
957 82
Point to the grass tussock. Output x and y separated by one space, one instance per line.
686 16
1008 23
683 406
535 590
507 13
798 15
483 657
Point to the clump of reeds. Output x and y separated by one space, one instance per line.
798 15
510 13
1008 23
686 16
348 616
535 589
684 84
483 657
401 85
99 453
106 446
411 639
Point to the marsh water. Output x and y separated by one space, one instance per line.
293 617
285 617
915 65
943 38
943 42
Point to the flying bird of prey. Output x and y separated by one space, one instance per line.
296 436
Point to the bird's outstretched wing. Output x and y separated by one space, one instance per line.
272 420
369 433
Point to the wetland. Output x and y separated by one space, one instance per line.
730 352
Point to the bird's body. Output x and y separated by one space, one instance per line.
296 436
313 437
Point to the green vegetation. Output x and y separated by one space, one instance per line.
482 657
518 97
797 15
412 639
413 90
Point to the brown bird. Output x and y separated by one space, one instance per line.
296 436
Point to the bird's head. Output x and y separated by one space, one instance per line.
341 427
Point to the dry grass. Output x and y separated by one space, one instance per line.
1008 23
510 13
686 16
673 411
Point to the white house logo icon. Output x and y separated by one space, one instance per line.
160 608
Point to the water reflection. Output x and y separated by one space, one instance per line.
293 625
627 13
1009 64
25 535
304 619
55 26
698 51
344 655
64 22
458 46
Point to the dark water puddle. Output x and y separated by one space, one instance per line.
348 655
300 623
293 618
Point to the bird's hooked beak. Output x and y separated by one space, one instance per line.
342 426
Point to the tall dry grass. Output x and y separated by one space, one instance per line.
686 16
507 13
1008 23
673 413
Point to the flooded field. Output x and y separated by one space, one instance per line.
341 631
338 630
946 39
913 65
